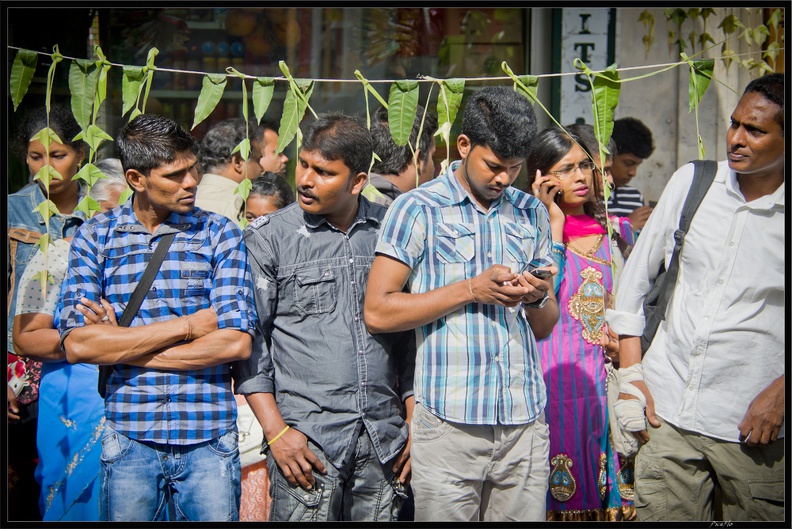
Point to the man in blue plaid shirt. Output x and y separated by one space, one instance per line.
170 435
464 245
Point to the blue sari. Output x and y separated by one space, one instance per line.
70 426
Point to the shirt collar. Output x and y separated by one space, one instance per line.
129 223
767 202
366 212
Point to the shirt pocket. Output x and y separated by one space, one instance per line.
456 243
315 290
194 282
520 243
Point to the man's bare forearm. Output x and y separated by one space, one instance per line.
109 344
218 347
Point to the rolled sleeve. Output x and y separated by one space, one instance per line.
231 295
82 280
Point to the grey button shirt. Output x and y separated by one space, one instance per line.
312 350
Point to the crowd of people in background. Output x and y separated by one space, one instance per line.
378 343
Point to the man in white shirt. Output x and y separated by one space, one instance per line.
224 169
713 378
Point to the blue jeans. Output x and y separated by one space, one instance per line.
139 478
364 490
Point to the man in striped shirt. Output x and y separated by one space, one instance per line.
464 245
170 433
633 145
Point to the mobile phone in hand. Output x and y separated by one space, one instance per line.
540 273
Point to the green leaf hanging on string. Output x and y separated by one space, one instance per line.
293 111
102 67
402 108
700 77
47 174
531 82
367 86
605 98
243 148
43 242
56 58
211 93
125 195
296 85
46 136
150 69
89 174
82 85
368 89
47 209
130 87
243 189
450 97
22 71
93 136
263 89
89 206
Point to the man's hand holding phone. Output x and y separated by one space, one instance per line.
539 281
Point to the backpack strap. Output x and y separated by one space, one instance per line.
703 176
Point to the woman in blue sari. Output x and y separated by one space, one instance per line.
70 411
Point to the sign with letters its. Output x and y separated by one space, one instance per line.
584 35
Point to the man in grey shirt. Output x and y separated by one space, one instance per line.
331 398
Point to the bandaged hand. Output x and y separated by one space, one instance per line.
630 412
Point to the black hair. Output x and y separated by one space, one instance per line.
271 185
268 125
633 137
149 141
219 142
771 86
550 146
586 133
396 159
337 136
502 119
61 120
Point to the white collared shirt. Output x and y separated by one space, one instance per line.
722 341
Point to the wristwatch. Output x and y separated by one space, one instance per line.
539 303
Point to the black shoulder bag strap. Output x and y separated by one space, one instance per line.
138 295
657 300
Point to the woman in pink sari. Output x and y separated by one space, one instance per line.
587 480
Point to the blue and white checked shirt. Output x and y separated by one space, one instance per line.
479 364
205 265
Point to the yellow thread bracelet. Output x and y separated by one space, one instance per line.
278 436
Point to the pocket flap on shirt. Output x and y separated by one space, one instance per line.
454 230
312 277
523 231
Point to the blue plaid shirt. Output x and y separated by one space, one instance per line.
205 265
479 364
